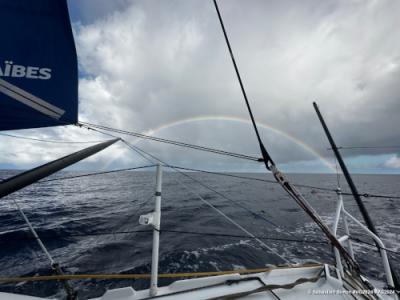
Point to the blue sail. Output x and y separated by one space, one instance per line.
38 65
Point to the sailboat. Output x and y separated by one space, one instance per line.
39 88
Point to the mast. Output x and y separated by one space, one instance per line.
354 191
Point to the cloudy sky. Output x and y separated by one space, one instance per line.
162 68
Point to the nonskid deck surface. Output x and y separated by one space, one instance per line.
242 286
219 286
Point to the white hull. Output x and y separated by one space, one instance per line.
327 286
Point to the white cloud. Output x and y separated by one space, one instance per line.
393 162
151 63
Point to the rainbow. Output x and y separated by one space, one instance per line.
204 118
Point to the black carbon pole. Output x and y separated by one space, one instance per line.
354 191
270 165
346 173
266 157
15 183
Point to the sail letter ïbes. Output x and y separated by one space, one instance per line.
38 65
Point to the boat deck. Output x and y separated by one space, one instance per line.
304 282
254 286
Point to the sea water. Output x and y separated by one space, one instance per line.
90 225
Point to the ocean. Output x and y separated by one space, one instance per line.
88 225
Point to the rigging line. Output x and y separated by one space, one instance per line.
266 157
48 141
55 266
136 149
246 236
366 195
97 130
269 287
96 173
337 174
270 165
172 142
213 190
210 205
270 181
34 233
255 214
167 275
143 203
373 245
225 174
103 233
177 143
233 222
253 178
259 179
365 147
303 203
292 192
123 141
392 279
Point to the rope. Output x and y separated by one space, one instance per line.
137 149
96 173
337 175
266 157
172 142
102 233
374 246
88 126
48 141
245 236
144 136
53 264
367 195
231 200
253 178
302 202
34 233
268 287
234 222
282 239
365 147
146 276
224 174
